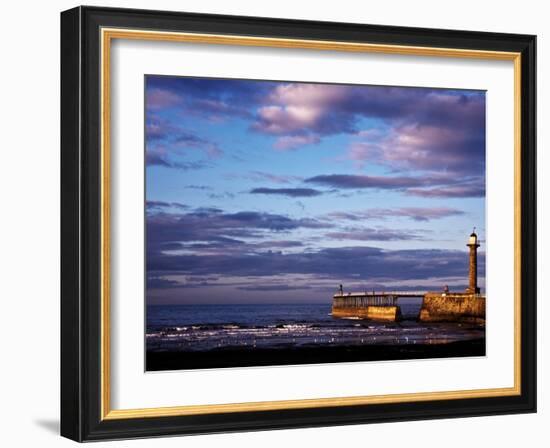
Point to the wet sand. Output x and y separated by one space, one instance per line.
246 357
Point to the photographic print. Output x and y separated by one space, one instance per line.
312 202
296 223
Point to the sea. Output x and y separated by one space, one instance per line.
200 328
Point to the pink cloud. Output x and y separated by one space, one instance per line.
159 99
284 120
292 142
315 96
427 129
361 152
420 147
295 108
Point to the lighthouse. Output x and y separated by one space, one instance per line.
472 277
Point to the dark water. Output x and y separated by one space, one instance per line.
199 328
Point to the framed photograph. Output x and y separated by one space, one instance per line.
274 223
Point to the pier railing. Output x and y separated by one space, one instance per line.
371 298
363 301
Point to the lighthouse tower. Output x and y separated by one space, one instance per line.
472 277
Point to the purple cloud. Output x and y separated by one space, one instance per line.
217 110
423 147
367 234
424 129
427 186
298 109
162 205
211 228
377 182
198 187
158 98
278 244
210 242
222 195
471 190
161 133
213 99
288 142
275 287
352 263
290 192
331 108
159 157
262 176
418 128
414 213
161 283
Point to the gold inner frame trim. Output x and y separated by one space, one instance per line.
107 35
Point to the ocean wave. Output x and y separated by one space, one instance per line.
210 336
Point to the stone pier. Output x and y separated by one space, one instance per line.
453 307
370 305
390 313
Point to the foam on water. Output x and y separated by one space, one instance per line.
206 327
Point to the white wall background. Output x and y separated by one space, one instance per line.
29 228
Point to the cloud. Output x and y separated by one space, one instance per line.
434 130
206 211
414 213
262 176
246 246
298 108
435 185
471 190
161 283
215 243
158 129
174 139
421 129
367 234
290 192
165 141
222 195
273 287
161 205
158 98
198 187
214 229
159 157
292 142
216 110
278 244
351 263
213 99
324 109
425 147
375 182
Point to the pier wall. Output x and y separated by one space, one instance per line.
390 313
453 307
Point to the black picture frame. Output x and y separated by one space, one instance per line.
81 379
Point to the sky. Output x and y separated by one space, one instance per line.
277 192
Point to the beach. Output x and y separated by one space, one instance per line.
231 357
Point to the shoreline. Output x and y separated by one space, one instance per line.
239 357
